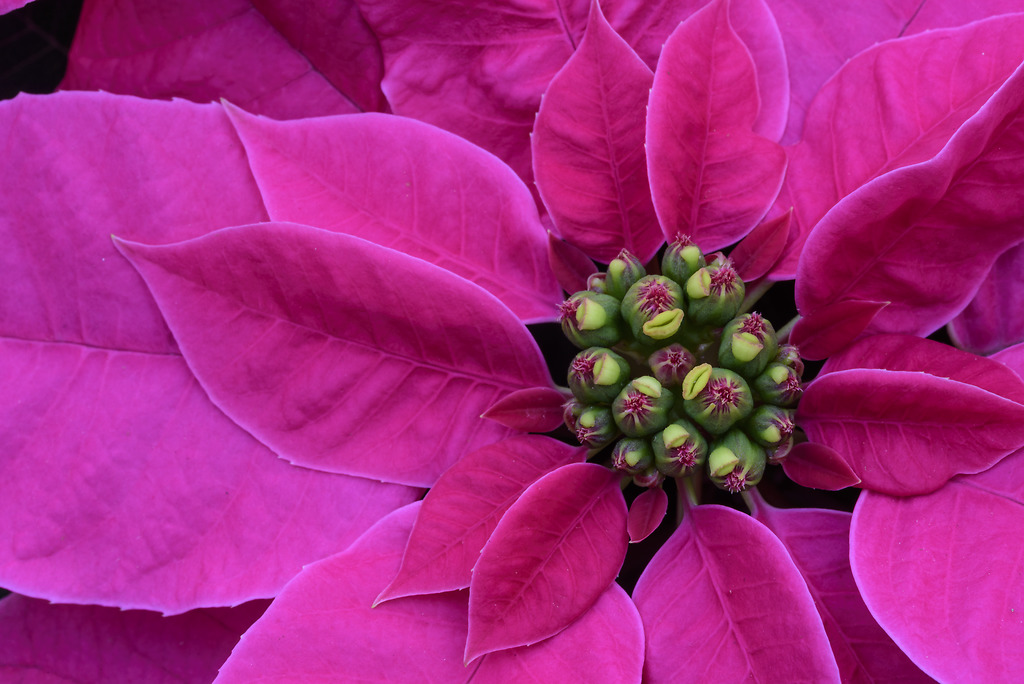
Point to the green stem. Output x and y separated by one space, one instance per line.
783 333
685 486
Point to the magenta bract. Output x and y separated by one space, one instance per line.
815 465
755 254
322 626
411 187
554 552
537 409
994 319
306 342
941 573
123 484
818 542
922 237
884 422
263 55
711 176
646 513
893 105
475 68
588 148
42 643
461 511
703 601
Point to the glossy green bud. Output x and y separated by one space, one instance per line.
596 283
679 448
748 345
671 364
595 427
789 355
590 319
735 463
653 309
779 385
770 426
571 411
723 401
682 259
642 408
632 456
715 293
597 375
623 271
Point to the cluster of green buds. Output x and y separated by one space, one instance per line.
673 377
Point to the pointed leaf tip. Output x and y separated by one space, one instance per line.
711 176
329 315
824 332
817 466
461 511
587 147
535 409
552 554
646 513
725 569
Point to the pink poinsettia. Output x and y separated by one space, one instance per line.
335 301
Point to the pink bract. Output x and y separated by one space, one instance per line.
259 54
305 341
461 511
323 625
588 148
818 542
47 644
703 597
555 551
711 176
124 485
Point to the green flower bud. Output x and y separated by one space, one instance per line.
723 401
682 259
623 271
571 411
735 463
653 309
596 283
779 385
748 345
716 293
595 427
770 426
669 365
597 375
590 319
642 408
679 448
632 456
789 355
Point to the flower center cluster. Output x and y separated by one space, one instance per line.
673 378
736 481
723 396
654 298
724 278
583 366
